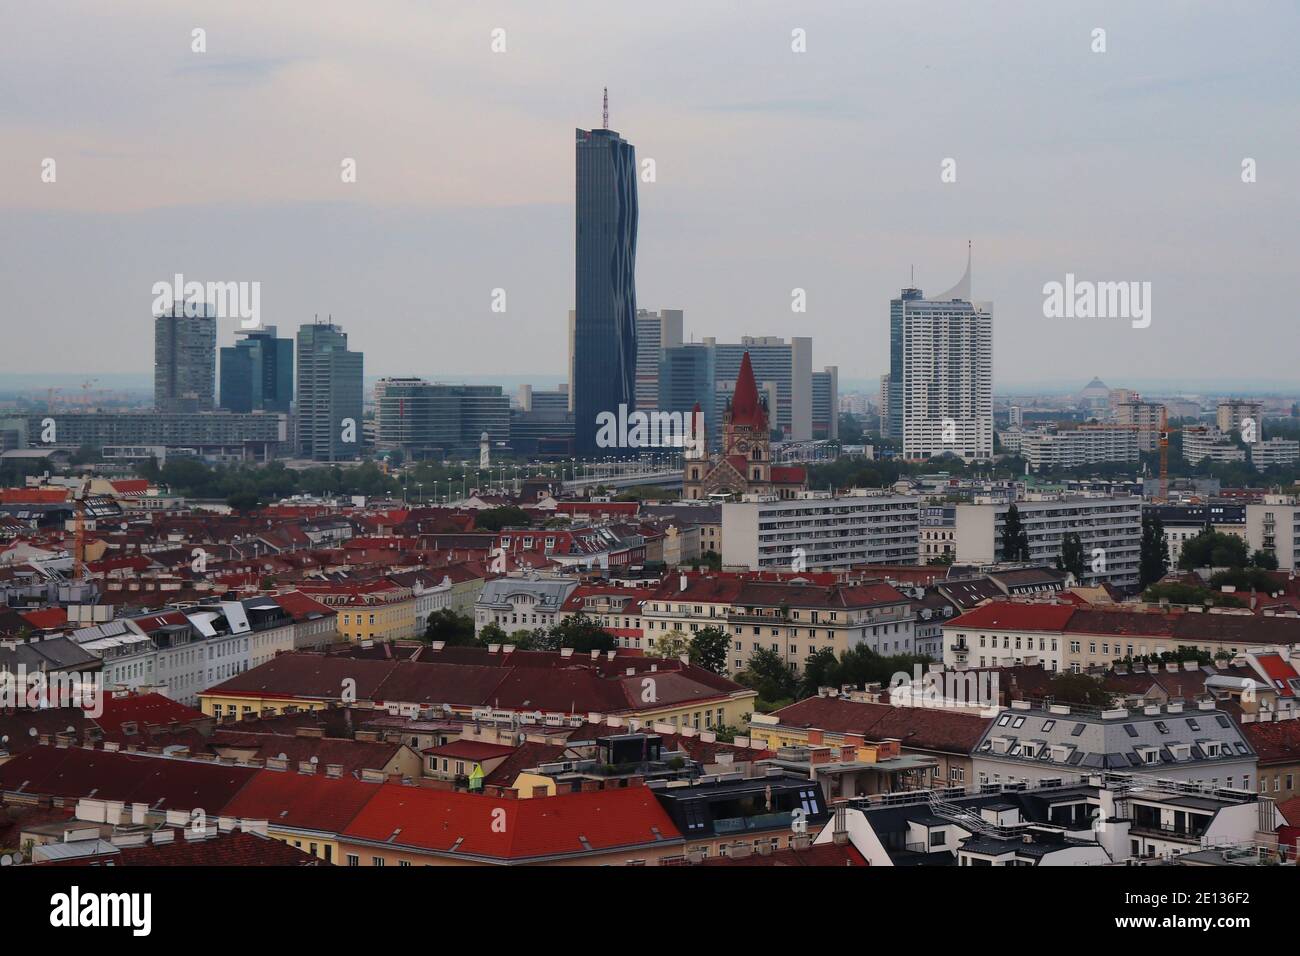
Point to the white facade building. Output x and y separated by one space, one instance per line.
941 373
820 532
1110 530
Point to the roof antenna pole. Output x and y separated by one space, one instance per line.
604 113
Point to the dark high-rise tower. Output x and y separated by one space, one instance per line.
604 340
257 373
185 358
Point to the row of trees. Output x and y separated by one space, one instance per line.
1238 568
778 684
577 631
1153 559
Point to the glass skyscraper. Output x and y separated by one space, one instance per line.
257 373
604 337
329 394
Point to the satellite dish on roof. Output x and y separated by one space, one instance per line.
315 759
6 860
283 756
31 731
71 729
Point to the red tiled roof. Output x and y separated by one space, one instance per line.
299 800
474 826
301 607
918 728
476 750
1276 742
33 496
1280 673
1290 810
789 475
161 782
144 710
46 617
236 848
1015 616
526 756
352 755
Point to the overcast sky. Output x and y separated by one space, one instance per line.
775 170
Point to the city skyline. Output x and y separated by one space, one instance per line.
770 177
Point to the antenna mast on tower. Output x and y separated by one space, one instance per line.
604 113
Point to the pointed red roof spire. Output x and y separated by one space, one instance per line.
745 407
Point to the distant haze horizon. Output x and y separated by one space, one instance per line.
776 170
143 381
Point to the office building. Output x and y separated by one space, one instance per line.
329 394
655 331
220 436
257 373
185 358
422 418
687 377
542 424
604 325
941 373
826 403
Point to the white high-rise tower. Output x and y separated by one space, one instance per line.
941 373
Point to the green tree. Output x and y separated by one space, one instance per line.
455 629
820 669
494 519
1214 549
1071 557
772 677
1071 688
673 644
1176 592
1015 540
582 634
1264 559
244 500
709 649
1153 559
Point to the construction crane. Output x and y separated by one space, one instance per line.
79 497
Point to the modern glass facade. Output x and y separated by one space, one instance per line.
423 418
604 338
329 394
687 375
257 373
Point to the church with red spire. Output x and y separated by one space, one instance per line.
744 466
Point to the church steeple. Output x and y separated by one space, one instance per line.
745 407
